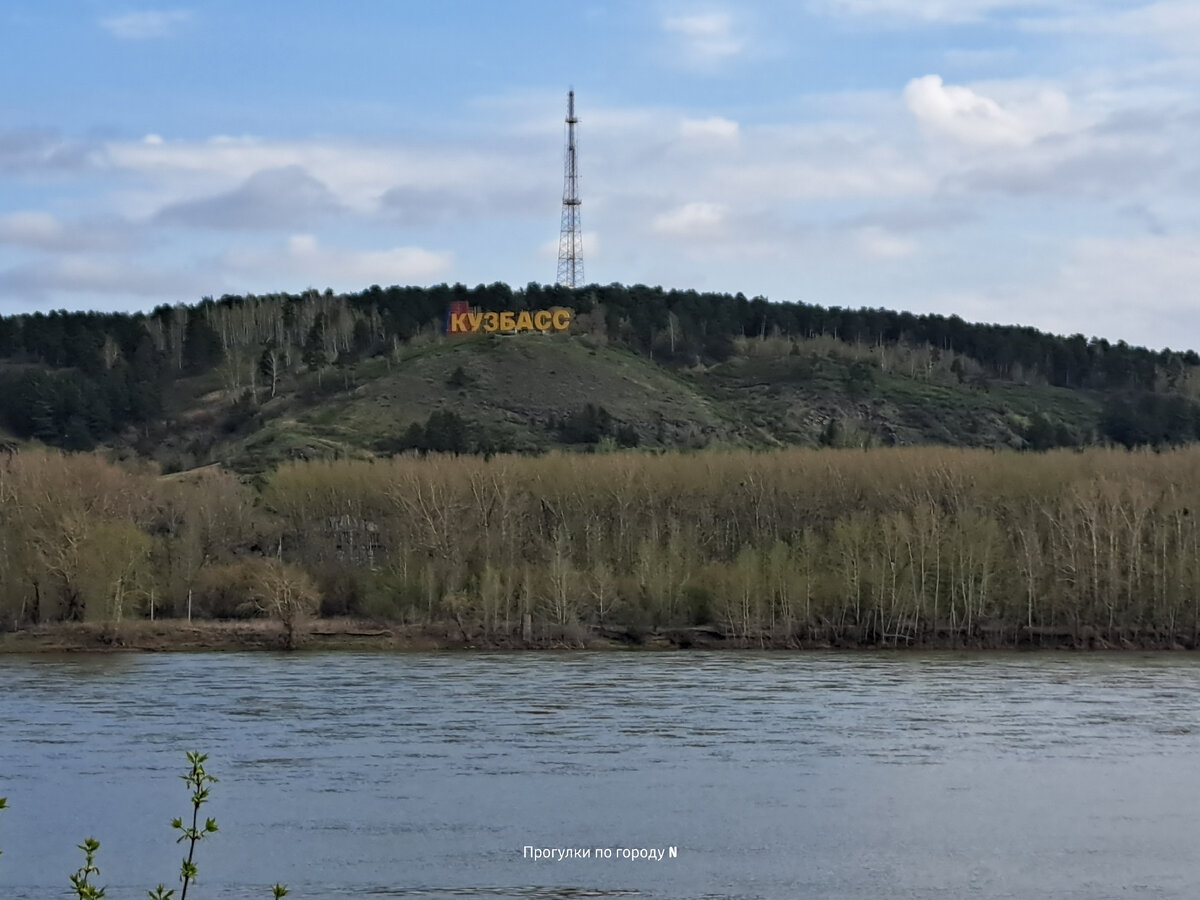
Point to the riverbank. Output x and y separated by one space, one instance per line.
324 634
352 634
176 635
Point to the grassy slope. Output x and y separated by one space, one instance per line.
794 398
516 387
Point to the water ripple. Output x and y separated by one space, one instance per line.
846 775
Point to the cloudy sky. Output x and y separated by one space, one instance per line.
1033 162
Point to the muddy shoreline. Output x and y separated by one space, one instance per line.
349 634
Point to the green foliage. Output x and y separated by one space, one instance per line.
78 380
198 781
1042 433
242 415
445 431
859 377
592 424
69 409
699 603
831 434
586 426
268 364
718 347
314 355
1148 419
81 883
202 346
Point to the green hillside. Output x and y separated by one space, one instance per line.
521 394
249 382
512 392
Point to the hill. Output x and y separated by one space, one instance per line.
249 382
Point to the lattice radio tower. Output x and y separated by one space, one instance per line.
570 237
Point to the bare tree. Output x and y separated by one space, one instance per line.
287 594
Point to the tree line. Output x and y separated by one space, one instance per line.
74 379
896 547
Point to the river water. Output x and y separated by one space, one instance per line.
773 776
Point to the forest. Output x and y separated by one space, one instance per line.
896 547
76 380
1075 527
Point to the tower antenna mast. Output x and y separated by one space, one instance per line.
570 237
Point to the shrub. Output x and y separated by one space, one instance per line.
198 780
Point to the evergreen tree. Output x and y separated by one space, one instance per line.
202 346
314 355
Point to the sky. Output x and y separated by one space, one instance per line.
1028 162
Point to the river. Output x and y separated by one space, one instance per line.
773 776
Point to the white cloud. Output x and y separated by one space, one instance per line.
910 217
972 118
81 274
867 172
976 57
692 220
943 10
1090 165
878 243
31 228
714 128
44 151
1117 276
42 231
706 38
145 24
356 174
1029 140
833 199
305 258
409 205
1117 288
1173 23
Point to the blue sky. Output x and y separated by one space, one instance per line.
1025 162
